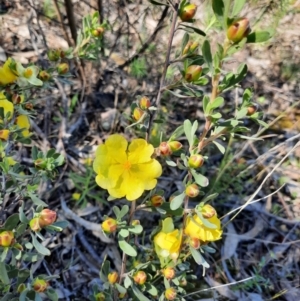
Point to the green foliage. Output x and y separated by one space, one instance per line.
138 68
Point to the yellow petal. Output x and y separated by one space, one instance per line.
6 105
6 75
140 151
23 122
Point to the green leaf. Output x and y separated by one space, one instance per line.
39 247
185 40
4 253
187 126
218 8
38 297
140 296
237 7
261 122
116 211
12 222
120 288
206 52
171 163
137 229
177 201
205 103
220 147
37 201
177 133
196 30
200 179
259 37
3 274
210 197
178 95
127 248
198 258
104 270
151 289
34 152
241 113
215 104
123 212
124 233
127 282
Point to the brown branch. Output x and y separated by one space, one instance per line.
71 19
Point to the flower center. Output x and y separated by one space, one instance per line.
28 72
127 165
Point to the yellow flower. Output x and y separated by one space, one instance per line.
126 171
28 76
6 75
4 134
7 106
76 196
205 229
23 122
167 242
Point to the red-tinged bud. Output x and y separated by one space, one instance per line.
100 297
18 246
192 190
238 30
62 68
44 75
183 282
47 217
195 161
170 293
97 32
251 110
193 73
195 243
188 12
208 211
4 135
53 55
112 277
165 149
62 54
35 224
21 288
109 225
6 238
40 163
169 273
145 103
190 47
137 114
28 106
17 98
157 200
175 146
140 277
40 285
135 222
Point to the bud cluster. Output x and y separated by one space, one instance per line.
45 218
167 148
143 105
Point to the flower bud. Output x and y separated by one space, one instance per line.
135 222
39 285
97 32
47 217
193 73
165 149
190 47
195 161
183 282
100 297
53 55
109 225
44 75
157 200
4 135
17 98
145 103
21 288
112 277
175 146
238 30
137 114
62 68
192 190
208 211
6 238
140 277
194 243
18 246
34 224
28 106
76 196
170 293
169 273
40 163
188 12
251 110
